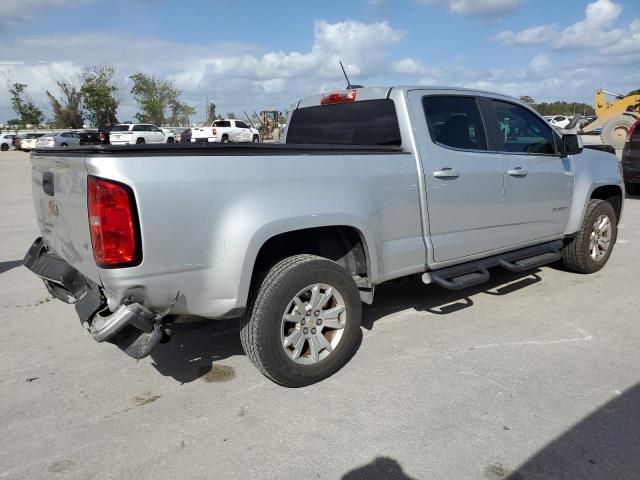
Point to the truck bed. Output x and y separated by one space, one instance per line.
218 149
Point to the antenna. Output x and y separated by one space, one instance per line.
344 72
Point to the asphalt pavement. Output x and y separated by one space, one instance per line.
532 376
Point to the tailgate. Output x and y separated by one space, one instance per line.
205 132
59 185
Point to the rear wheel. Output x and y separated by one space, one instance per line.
591 248
304 322
225 139
140 141
64 145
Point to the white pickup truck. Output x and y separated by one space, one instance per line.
225 131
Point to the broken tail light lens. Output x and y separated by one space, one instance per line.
113 223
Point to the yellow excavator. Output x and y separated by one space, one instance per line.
614 118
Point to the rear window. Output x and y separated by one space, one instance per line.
120 128
369 122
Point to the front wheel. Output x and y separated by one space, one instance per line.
256 139
304 322
591 248
170 140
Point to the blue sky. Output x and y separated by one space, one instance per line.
248 55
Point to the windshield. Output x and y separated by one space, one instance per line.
370 122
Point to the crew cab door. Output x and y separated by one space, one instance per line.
538 182
245 133
463 178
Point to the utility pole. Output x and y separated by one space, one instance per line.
206 110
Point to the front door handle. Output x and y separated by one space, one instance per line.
518 172
446 173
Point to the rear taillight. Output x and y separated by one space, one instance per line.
213 132
113 222
632 130
102 137
339 97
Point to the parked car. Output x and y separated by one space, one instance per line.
138 133
631 160
225 131
29 141
560 121
415 182
103 133
184 136
6 141
62 139
89 137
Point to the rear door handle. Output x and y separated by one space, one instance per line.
446 173
518 172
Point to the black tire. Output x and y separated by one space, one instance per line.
632 188
261 325
225 139
576 255
256 139
140 141
4 147
171 140
64 145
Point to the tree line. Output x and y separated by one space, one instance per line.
94 97
559 108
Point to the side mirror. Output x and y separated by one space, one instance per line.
571 144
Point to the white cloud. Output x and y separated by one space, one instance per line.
529 36
482 8
15 12
596 32
235 76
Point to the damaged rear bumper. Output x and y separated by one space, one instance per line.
132 327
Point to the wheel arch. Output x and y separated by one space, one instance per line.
347 243
612 194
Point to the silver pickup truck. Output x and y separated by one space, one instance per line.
371 185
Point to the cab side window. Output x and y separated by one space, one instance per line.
455 122
521 131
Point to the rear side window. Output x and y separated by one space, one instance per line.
222 124
522 131
455 122
240 124
121 128
368 122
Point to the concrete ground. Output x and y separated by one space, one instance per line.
529 377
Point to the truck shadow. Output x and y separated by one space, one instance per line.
411 293
382 468
604 445
6 266
197 348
